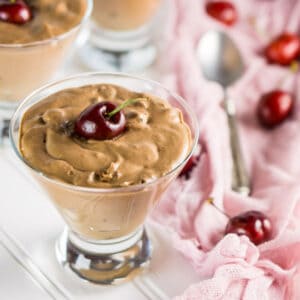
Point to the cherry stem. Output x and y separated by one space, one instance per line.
211 202
121 106
294 66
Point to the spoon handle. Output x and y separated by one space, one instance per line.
240 179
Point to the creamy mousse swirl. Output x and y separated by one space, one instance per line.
155 140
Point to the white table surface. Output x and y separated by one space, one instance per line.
29 226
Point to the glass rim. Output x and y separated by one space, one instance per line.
139 186
56 38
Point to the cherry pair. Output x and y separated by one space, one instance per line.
283 50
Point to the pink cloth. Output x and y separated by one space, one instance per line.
231 267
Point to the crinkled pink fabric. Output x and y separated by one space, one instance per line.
231 267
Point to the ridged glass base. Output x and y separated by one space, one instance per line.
108 262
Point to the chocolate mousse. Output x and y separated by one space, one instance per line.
48 18
154 141
124 14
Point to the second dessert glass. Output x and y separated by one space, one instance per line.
25 67
105 240
122 34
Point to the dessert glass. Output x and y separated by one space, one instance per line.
105 240
25 67
122 34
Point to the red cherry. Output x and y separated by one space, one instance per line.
274 107
223 11
94 122
17 12
253 224
284 49
191 163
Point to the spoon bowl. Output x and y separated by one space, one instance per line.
219 58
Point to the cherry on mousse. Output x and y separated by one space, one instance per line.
223 11
15 11
101 121
274 108
284 49
253 224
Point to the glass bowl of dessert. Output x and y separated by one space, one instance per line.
104 147
122 34
35 37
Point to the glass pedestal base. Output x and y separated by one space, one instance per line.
6 112
106 262
126 61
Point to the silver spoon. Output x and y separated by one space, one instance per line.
220 61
